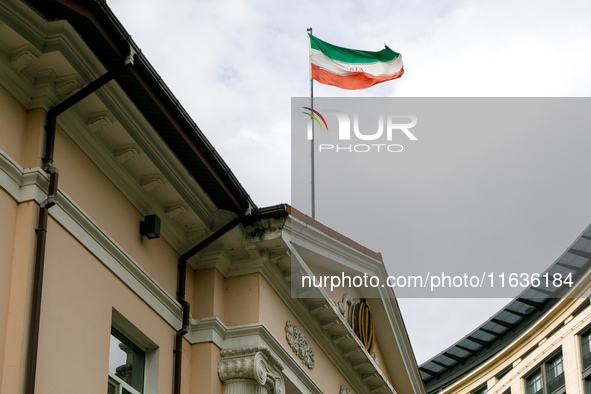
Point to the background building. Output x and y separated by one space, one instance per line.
133 261
537 344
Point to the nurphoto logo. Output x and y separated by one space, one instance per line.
389 126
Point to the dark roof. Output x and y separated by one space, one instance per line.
110 42
508 324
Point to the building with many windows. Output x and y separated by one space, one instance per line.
131 258
539 343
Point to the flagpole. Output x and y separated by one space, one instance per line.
312 191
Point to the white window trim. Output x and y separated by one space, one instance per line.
131 332
120 384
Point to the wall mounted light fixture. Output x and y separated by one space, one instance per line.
150 227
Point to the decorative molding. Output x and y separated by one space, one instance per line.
346 306
67 85
98 121
344 390
151 182
212 329
299 344
176 209
21 58
125 153
251 363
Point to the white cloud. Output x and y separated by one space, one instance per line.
235 64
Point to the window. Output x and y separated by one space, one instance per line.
586 349
133 359
126 365
480 390
586 359
547 378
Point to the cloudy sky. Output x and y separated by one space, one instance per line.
235 65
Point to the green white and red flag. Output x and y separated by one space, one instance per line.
351 68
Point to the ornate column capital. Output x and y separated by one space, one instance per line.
252 364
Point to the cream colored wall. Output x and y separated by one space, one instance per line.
242 303
19 294
275 314
566 339
209 294
78 297
8 213
12 124
204 369
85 183
79 292
22 136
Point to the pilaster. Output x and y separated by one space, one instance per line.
250 370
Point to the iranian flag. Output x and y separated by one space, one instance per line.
351 68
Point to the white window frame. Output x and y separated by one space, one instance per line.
120 385
131 332
542 367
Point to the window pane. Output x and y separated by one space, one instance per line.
586 343
534 383
481 390
588 386
555 373
117 357
126 360
586 349
111 389
554 368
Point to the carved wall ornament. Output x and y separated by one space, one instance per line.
344 390
251 364
299 344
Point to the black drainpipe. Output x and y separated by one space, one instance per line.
182 276
51 200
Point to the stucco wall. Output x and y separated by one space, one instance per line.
276 314
85 183
8 213
79 292
78 298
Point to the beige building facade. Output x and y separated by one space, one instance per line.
133 261
539 343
